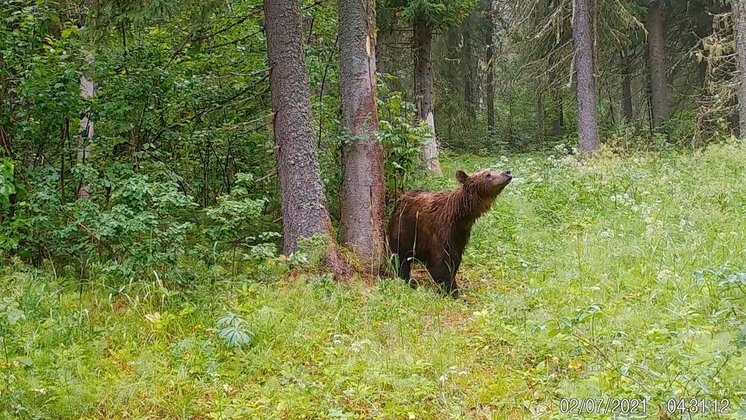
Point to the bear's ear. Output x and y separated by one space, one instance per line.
461 176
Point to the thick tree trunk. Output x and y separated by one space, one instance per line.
655 26
626 104
586 90
362 179
85 135
423 44
739 9
304 211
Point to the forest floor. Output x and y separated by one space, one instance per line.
621 281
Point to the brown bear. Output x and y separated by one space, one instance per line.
434 227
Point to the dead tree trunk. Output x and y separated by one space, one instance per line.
362 178
586 90
423 44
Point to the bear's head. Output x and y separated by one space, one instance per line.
486 183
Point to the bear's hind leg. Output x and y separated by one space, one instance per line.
444 273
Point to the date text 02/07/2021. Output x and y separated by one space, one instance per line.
603 406
640 406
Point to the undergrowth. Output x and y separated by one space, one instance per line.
620 277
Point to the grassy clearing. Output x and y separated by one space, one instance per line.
622 278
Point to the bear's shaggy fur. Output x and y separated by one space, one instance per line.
434 227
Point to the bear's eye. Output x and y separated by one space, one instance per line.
489 175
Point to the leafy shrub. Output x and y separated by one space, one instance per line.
402 139
143 223
236 222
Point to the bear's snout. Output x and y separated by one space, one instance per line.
505 178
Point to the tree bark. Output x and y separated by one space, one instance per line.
362 193
586 90
558 122
739 12
702 29
423 43
304 211
655 25
380 52
490 77
490 94
626 104
470 98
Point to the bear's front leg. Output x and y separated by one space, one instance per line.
405 267
444 273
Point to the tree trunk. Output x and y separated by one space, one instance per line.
85 135
380 52
739 9
423 43
702 29
362 179
490 78
558 122
539 108
490 94
586 90
469 75
626 78
655 26
304 211
509 131
626 104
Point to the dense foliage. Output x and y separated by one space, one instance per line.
181 158
182 118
